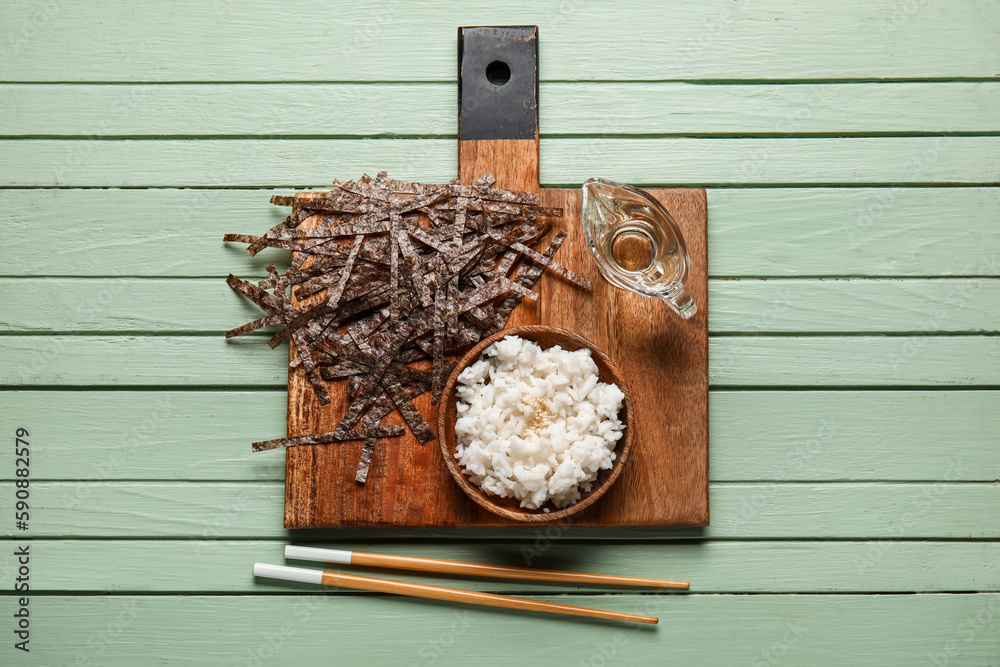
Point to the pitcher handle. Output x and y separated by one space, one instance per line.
682 303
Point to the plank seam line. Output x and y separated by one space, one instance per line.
772 482
281 386
391 136
926 185
307 591
451 81
373 536
578 536
263 333
715 278
992 483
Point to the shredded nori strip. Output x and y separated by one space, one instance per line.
386 274
365 463
548 263
267 321
411 415
357 409
334 299
327 438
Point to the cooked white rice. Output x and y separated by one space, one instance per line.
535 424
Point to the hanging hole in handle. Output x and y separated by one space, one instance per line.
498 73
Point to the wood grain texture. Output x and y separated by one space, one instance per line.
877 231
427 109
735 566
673 161
515 165
781 436
695 629
191 41
513 162
743 511
663 356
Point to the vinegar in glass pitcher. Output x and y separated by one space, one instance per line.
636 242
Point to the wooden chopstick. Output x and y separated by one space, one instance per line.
461 567
435 592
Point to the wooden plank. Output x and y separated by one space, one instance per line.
662 162
694 629
855 305
783 566
756 435
218 162
110 238
854 231
793 232
210 361
844 108
866 435
694 162
770 510
965 361
176 361
124 305
427 109
580 41
109 435
195 305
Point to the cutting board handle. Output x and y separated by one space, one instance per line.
498 105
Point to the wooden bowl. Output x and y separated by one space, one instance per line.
510 508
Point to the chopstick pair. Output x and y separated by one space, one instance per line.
450 567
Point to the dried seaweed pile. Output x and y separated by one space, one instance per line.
387 274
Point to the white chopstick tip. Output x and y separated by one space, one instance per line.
285 573
338 556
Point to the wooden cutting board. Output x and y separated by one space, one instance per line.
664 358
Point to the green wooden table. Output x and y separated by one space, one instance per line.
850 151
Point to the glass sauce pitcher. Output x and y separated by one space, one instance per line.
636 243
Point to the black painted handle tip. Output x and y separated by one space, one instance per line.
498 82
